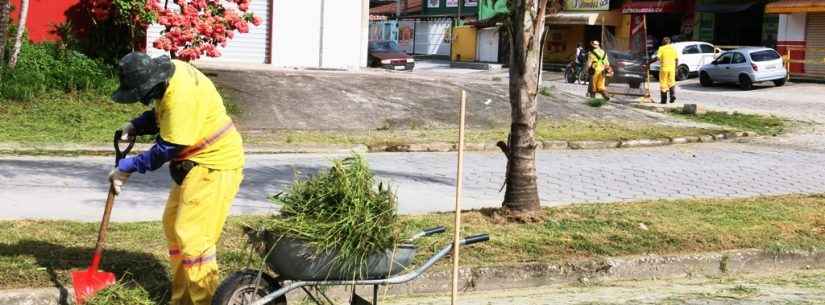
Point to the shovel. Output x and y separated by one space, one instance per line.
88 282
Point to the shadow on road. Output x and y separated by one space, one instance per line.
695 86
57 262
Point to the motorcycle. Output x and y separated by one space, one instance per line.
575 72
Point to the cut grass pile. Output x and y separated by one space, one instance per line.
121 294
342 210
596 102
545 131
762 124
41 253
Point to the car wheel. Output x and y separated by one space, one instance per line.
705 80
780 82
745 82
634 85
682 73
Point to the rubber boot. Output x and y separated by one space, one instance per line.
664 98
672 95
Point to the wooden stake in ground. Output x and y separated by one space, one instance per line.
458 188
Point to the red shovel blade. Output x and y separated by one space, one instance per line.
88 282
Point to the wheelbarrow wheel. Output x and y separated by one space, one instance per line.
242 288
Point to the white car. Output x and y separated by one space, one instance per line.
692 56
745 66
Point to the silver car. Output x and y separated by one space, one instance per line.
745 66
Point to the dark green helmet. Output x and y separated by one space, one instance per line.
138 74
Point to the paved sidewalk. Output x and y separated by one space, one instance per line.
802 288
75 188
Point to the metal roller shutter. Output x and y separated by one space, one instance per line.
815 46
251 47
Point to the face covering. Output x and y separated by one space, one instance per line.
156 93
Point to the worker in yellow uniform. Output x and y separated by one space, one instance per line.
668 60
598 65
206 157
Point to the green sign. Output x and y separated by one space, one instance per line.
586 5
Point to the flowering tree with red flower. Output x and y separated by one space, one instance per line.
200 26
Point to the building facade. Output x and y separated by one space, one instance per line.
801 35
326 34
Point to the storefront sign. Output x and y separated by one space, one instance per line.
452 3
470 3
434 3
587 5
649 7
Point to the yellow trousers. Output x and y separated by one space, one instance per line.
667 79
599 82
193 220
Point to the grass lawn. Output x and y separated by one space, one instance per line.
545 131
64 118
41 253
761 124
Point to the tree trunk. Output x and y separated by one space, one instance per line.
5 11
526 31
21 28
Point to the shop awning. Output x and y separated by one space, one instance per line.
723 8
646 7
795 6
583 18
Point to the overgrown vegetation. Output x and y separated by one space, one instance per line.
44 68
762 124
42 253
340 211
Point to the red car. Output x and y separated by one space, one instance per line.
385 54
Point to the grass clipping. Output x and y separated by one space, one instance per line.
121 294
341 211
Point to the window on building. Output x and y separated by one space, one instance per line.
738 58
691 49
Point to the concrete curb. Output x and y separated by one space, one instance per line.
95 150
537 274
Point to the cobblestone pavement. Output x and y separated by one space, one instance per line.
75 188
801 288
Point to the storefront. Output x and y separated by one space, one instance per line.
674 19
735 23
801 35
580 23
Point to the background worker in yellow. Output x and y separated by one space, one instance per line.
206 153
668 60
598 66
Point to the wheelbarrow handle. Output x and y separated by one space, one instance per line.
428 232
475 239
122 153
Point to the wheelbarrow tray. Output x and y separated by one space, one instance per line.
296 260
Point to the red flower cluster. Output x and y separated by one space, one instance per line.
200 26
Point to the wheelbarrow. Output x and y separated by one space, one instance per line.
296 268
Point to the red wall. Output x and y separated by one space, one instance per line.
43 15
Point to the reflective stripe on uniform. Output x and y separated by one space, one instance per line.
194 149
200 260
